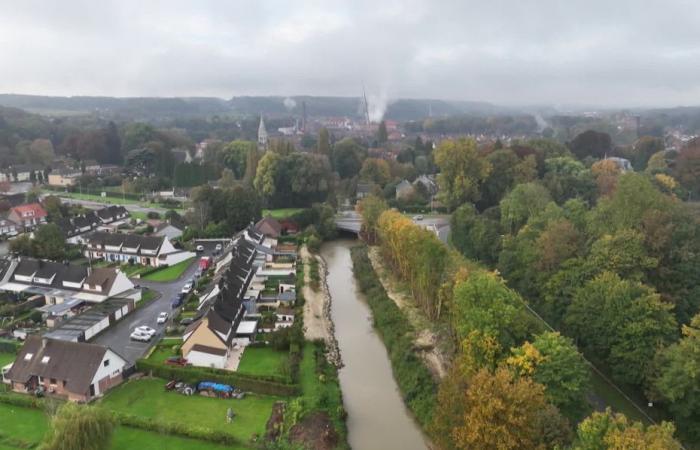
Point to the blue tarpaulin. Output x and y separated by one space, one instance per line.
218 387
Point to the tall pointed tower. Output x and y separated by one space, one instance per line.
262 135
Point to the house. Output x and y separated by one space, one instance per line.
8 227
76 371
623 164
74 228
404 190
64 177
269 227
428 184
363 190
28 216
20 172
152 251
285 317
167 230
58 282
112 213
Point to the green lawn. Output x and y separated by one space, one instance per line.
281 213
148 398
169 273
263 361
30 425
6 358
162 352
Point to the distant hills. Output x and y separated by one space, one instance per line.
160 109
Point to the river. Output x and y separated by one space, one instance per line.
377 417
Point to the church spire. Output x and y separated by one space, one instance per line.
262 135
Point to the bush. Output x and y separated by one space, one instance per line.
9 346
415 381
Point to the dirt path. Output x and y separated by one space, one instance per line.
317 308
426 340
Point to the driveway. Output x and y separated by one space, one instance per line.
117 337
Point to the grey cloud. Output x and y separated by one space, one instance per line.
505 51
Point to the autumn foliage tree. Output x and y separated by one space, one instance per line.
462 171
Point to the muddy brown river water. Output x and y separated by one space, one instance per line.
377 417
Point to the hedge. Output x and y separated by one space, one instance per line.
417 386
175 428
258 384
24 401
7 346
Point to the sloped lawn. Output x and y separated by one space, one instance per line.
170 273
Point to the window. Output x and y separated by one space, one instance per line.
41 379
28 356
106 363
64 383
45 359
53 381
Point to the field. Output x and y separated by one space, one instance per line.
171 273
281 213
30 425
148 398
263 361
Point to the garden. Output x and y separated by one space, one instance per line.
264 361
148 398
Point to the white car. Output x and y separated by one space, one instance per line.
418 217
139 336
162 318
219 247
187 288
146 330
200 248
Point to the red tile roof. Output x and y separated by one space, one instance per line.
30 207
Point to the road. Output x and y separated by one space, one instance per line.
117 337
352 221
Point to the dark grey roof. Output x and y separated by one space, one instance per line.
72 362
27 267
127 240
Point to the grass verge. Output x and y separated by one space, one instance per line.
170 273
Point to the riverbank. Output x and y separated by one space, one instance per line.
318 324
426 340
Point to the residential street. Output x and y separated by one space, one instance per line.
117 337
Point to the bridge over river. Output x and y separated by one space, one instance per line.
351 221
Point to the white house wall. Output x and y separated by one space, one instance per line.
201 359
116 365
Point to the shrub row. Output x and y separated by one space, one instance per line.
258 384
417 386
7 346
24 401
175 428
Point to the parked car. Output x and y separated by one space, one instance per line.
200 248
219 247
177 301
146 330
418 217
187 321
162 318
187 288
140 336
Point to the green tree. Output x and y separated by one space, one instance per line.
80 427
462 171
324 143
524 201
475 236
591 143
266 174
554 361
234 156
623 253
376 171
613 431
52 205
501 179
382 135
347 157
50 242
371 208
621 322
676 375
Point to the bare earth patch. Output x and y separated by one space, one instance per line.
316 324
315 432
426 340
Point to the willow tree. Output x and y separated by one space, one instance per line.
77 427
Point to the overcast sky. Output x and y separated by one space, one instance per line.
594 52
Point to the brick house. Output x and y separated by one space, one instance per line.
28 216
